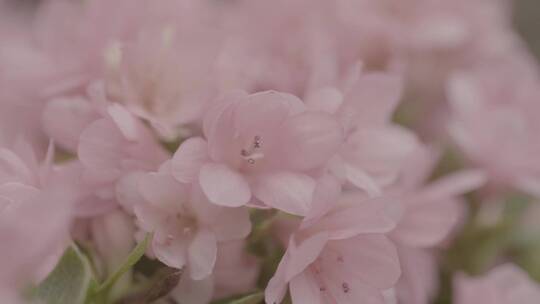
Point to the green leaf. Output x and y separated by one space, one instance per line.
131 260
69 281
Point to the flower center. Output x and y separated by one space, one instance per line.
180 227
253 152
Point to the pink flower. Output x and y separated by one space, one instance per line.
506 284
32 246
235 273
341 256
160 77
117 144
186 226
494 105
375 149
427 214
263 145
236 270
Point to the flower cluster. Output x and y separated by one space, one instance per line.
307 151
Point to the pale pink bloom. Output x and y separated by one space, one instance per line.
339 256
495 118
236 270
191 291
375 149
427 213
262 146
235 273
506 284
118 144
186 226
112 234
32 246
164 76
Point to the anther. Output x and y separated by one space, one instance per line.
345 287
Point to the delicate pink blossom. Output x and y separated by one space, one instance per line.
262 146
503 285
186 227
340 256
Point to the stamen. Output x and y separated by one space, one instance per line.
251 154
345 287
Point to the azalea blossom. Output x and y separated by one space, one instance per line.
262 146
186 227
339 256
504 284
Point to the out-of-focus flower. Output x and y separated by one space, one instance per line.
32 246
117 144
339 256
186 226
505 284
494 105
263 145
235 271
113 236
427 214
375 149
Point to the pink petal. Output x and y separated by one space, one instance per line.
310 139
327 191
173 254
427 222
188 159
286 191
301 256
163 191
372 99
231 224
202 254
326 100
354 215
455 184
149 218
380 151
65 119
362 180
304 289
125 121
261 111
224 186
17 192
127 190
277 286
12 168
419 279
214 113
192 291
371 259
101 147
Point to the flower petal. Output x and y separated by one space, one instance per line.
310 139
188 159
224 186
286 191
301 256
202 253
163 191
65 119
371 259
100 147
304 289
193 291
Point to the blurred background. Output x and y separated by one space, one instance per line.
527 22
